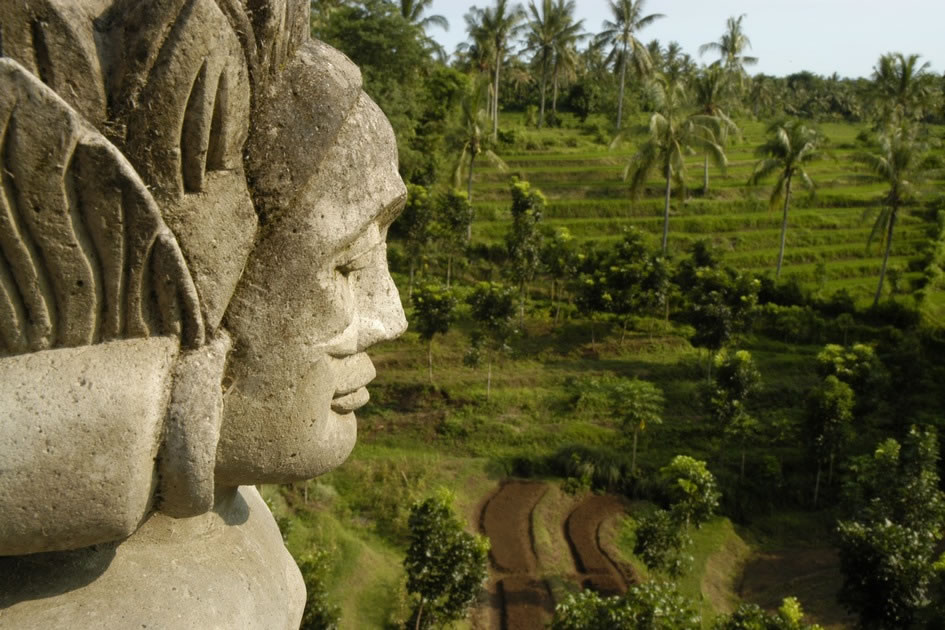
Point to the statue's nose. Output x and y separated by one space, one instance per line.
379 309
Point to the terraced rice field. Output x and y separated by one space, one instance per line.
827 232
520 590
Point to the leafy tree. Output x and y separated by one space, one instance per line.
434 312
672 136
454 216
790 145
620 35
720 302
897 164
394 57
888 544
790 616
320 612
736 380
415 224
829 415
858 366
524 239
559 257
492 307
648 606
692 489
635 404
731 48
660 540
445 565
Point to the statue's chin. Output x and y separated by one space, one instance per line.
229 569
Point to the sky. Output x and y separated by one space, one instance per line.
787 36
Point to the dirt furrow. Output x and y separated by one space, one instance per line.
507 521
582 532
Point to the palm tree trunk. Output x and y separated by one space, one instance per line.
413 265
787 200
817 483
489 380
666 207
554 94
430 358
633 455
544 81
472 160
623 74
495 96
882 271
449 270
705 174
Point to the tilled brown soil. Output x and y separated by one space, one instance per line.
507 521
519 597
522 598
582 531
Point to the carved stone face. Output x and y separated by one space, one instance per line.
315 295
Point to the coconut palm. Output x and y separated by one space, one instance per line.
790 145
900 88
565 48
625 47
551 31
731 48
710 91
898 164
413 11
474 118
496 25
672 136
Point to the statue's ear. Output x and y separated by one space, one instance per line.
86 256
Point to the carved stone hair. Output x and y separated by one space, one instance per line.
105 210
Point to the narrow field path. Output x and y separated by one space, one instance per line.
520 599
596 570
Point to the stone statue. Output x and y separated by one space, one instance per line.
194 203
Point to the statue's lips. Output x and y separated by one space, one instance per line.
348 402
352 374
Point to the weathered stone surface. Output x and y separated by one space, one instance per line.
194 199
76 452
222 570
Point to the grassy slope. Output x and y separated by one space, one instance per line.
582 179
413 438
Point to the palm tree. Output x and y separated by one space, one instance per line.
672 136
898 164
473 120
731 48
709 93
496 25
790 145
900 88
413 11
620 35
552 30
565 47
